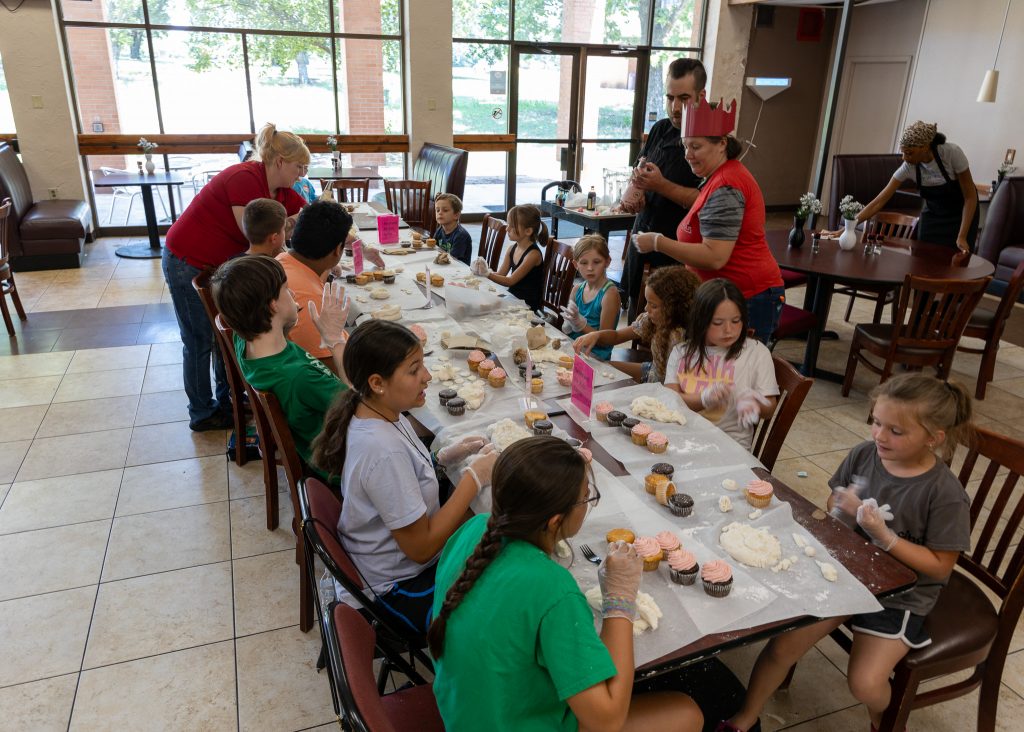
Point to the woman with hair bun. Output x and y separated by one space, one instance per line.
210 233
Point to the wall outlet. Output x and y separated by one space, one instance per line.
52 192
431 105
37 101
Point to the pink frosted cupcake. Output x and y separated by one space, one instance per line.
602 409
682 567
759 493
639 433
587 454
648 549
668 541
496 377
717 578
657 443
475 358
564 376
484 367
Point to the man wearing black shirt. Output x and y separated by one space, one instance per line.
669 184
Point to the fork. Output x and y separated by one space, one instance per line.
589 555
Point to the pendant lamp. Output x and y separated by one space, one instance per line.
990 84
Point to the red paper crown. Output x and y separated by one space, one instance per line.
703 120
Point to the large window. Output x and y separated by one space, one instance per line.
6 114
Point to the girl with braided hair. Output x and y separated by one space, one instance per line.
513 637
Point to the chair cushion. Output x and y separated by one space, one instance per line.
952 637
791 278
413 708
981 318
793 321
59 219
881 335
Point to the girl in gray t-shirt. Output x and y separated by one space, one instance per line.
909 503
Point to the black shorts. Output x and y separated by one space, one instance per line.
410 602
893 623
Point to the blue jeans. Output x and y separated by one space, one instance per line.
197 342
763 311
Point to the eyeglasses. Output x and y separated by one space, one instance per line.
593 498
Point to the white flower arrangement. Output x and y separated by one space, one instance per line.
809 204
146 146
850 208
332 143
1006 169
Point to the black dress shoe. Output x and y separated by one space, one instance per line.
216 421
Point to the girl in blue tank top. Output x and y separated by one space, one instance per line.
595 302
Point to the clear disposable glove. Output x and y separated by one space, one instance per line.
748 407
331 319
571 317
846 501
479 267
456 452
715 395
585 343
645 241
619 577
871 517
482 466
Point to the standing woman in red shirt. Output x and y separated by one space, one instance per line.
208 234
723 232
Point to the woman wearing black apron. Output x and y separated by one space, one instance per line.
943 177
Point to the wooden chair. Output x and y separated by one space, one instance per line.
889 225
320 510
988 325
347 190
492 239
793 321
268 449
929 321
7 285
559 275
771 433
294 469
236 384
411 200
362 707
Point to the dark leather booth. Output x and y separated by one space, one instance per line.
42 234
445 168
864 177
1002 240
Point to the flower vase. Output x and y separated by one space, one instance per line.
150 165
796 234
850 236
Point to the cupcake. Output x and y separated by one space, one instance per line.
431 243
565 362
680 504
542 427
663 469
362 279
536 385
378 275
350 279
586 453
682 567
759 493
456 406
446 395
484 367
639 433
647 548
652 481
496 378
615 418
620 535
657 443
717 578
421 277
389 279
419 332
602 410
627 424
532 415
668 541
475 357
436 280
564 376
665 492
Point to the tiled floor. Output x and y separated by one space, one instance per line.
139 587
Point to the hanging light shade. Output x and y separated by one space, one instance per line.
990 84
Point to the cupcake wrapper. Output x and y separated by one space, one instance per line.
681 511
657 449
651 564
758 501
717 589
639 439
458 412
684 577
602 417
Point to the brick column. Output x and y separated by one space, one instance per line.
363 106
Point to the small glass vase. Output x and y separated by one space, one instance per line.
850 236
335 159
150 165
796 234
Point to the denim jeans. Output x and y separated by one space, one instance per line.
197 342
763 311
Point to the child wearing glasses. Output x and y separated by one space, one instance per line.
513 637
451 235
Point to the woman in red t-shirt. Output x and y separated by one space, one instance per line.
208 234
722 235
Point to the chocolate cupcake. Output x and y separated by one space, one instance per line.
446 395
682 567
542 427
663 469
522 371
456 406
628 424
389 279
680 504
350 279
616 418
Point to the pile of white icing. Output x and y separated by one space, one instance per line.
750 546
650 408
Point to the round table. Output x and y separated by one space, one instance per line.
831 265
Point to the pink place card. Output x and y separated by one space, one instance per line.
387 228
357 256
582 386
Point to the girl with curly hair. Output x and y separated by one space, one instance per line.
669 292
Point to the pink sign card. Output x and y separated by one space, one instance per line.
387 229
357 256
582 386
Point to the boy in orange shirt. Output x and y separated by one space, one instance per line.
263 223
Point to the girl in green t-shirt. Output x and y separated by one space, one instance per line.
513 637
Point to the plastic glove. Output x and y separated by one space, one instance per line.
571 317
479 267
585 343
871 517
748 407
715 395
459 451
644 241
619 577
330 321
482 467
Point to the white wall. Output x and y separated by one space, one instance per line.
428 73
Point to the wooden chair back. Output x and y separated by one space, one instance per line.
411 200
771 433
990 330
559 275
7 284
492 240
888 224
5 214
347 190
932 314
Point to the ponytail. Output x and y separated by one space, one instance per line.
329 447
272 144
936 405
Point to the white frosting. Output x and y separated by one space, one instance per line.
755 514
388 312
750 546
729 484
828 571
473 394
651 408
799 541
647 611
379 294
505 432
810 551
724 504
